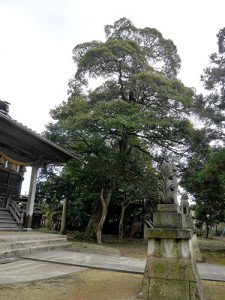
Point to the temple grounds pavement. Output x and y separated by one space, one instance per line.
50 264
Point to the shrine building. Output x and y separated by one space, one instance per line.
21 147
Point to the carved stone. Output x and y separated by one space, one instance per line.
170 272
167 184
184 205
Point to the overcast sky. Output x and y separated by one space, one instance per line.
37 38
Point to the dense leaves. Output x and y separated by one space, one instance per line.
138 108
207 184
204 177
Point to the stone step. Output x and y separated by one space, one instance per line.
9 224
10 220
29 243
10 229
30 236
6 218
32 249
5 212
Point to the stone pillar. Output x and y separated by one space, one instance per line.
185 210
197 255
31 198
170 272
21 172
64 216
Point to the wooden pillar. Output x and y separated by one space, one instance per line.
31 198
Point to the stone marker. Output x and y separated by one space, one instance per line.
185 210
170 271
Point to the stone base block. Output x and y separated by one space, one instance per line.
172 208
187 222
164 289
160 233
167 220
196 250
171 272
161 289
171 279
181 269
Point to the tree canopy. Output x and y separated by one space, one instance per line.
138 108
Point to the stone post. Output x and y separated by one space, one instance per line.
185 210
171 272
21 172
64 216
31 198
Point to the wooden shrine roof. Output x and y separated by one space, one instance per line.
26 146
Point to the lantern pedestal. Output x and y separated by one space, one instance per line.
171 272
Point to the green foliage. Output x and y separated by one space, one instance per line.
208 186
214 79
138 108
204 177
156 50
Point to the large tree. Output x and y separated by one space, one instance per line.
138 105
214 82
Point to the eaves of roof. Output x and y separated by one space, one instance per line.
17 139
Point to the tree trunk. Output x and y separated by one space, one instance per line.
49 220
64 217
207 230
217 233
90 232
99 216
105 197
121 229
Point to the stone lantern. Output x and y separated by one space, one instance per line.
171 272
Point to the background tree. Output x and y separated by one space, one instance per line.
207 184
205 172
214 82
50 194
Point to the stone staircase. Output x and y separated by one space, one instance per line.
7 222
21 243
